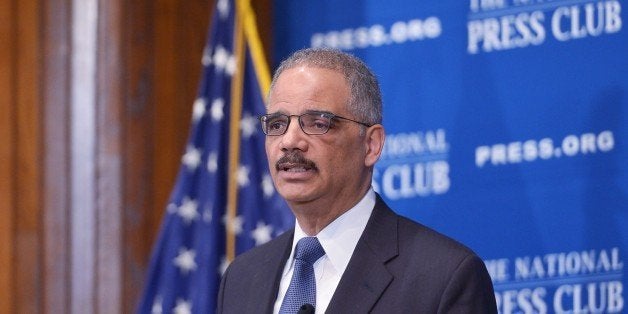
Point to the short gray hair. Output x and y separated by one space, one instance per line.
366 99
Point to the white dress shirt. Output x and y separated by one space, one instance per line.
338 240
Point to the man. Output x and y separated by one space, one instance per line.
323 136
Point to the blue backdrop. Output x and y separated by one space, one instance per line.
506 129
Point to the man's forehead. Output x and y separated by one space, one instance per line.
307 69
300 112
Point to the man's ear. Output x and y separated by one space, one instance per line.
374 141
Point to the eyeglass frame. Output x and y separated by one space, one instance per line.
324 114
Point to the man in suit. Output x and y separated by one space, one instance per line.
323 136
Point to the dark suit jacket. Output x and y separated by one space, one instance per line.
398 266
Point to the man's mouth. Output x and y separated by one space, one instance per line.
294 168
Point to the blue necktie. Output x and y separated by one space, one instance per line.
302 289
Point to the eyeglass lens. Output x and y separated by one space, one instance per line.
311 123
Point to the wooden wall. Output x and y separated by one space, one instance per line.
95 101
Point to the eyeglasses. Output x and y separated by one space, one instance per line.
312 123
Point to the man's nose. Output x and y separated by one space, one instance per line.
294 138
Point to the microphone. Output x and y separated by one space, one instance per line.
306 309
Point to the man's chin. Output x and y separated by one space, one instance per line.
295 194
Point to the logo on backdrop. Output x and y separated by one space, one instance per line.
495 25
565 282
378 35
534 150
413 164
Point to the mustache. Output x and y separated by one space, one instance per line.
294 158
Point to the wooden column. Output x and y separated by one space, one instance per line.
20 170
95 104
8 159
56 41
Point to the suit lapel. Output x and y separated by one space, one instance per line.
272 264
366 276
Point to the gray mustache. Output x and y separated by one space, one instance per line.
294 158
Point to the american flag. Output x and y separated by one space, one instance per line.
223 202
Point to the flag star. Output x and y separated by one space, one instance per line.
199 109
231 65
217 109
183 307
248 125
223 8
212 162
267 186
221 58
262 233
188 211
157 307
192 157
172 208
208 216
235 224
243 176
207 56
185 260
224 263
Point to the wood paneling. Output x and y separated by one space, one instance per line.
27 192
8 147
111 80
164 50
137 114
78 223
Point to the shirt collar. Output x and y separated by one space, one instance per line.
341 236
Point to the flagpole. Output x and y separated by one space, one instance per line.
234 135
255 45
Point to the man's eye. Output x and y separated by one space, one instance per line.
276 124
321 124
